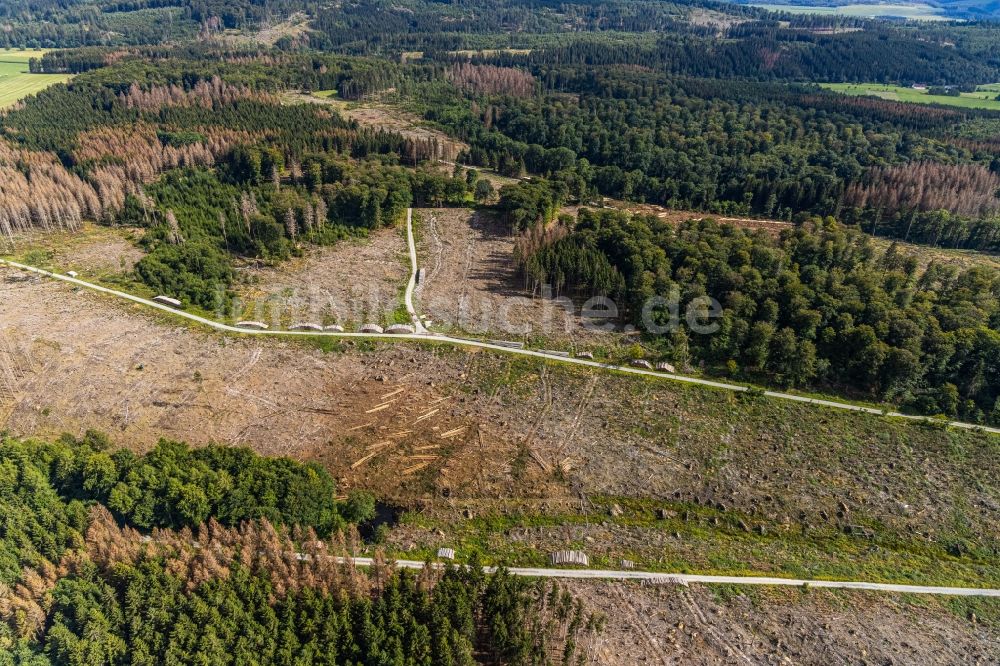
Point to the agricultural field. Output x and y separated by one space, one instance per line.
985 97
16 82
914 12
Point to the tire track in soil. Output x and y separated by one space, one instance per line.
655 653
728 648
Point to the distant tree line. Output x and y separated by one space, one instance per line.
735 148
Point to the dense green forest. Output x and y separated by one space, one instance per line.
676 116
239 569
741 148
819 306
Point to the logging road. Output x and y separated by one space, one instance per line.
423 335
684 579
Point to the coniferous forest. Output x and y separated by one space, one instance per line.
217 129
199 144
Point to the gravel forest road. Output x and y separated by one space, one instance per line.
684 579
424 335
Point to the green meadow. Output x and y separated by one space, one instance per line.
916 12
16 82
983 98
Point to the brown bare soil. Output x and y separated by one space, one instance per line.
93 250
470 284
387 117
373 416
671 624
527 430
350 283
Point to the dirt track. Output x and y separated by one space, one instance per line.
470 283
772 227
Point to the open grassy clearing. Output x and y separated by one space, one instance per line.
694 539
21 55
964 259
983 98
99 254
752 485
16 82
916 12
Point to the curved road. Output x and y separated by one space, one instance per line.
423 334
418 326
684 579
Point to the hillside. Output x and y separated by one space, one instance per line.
498 332
921 11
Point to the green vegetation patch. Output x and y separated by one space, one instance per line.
984 97
692 538
917 12
17 82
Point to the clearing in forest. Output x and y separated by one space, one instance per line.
470 283
16 82
544 456
669 624
354 282
913 12
96 252
984 97
674 216
385 117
